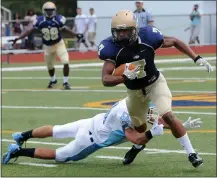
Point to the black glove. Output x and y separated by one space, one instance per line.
14 41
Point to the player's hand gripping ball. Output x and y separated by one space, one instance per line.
119 71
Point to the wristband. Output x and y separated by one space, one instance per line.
148 134
198 57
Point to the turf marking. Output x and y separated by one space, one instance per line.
99 78
37 164
197 68
146 150
91 90
87 108
165 131
110 157
31 68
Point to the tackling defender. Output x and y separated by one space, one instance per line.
90 135
50 25
130 45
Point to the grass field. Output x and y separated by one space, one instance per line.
28 104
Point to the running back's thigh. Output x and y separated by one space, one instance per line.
161 96
137 105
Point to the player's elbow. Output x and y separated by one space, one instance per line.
106 82
174 41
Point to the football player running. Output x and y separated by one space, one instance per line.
50 25
102 130
130 45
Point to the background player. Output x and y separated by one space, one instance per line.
145 83
50 26
80 28
91 134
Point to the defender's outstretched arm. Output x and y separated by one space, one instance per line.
142 138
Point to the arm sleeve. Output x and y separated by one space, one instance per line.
105 52
156 38
62 21
125 120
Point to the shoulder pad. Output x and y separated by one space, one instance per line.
151 36
107 50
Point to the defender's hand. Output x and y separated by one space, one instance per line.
202 62
191 124
156 129
131 74
13 41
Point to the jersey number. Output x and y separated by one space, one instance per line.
155 30
141 64
101 46
50 34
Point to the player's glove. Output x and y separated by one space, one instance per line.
13 41
157 129
131 74
202 62
192 123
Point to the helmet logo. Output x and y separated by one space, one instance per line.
121 26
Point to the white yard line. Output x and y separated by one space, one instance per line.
146 150
53 108
183 68
31 68
96 109
110 157
195 68
38 164
47 78
97 78
98 91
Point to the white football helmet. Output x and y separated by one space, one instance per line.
49 9
152 115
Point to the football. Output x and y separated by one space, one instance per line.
120 70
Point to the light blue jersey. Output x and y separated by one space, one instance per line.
102 130
109 128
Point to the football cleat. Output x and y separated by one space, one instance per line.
195 160
51 84
18 138
12 148
131 154
66 86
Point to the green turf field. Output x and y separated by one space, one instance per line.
28 104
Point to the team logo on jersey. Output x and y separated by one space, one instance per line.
136 57
181 101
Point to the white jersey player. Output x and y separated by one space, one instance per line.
102 130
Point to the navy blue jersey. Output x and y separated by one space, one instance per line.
50 28
142 54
